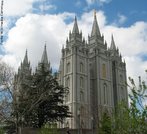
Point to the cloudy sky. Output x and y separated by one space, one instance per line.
28 24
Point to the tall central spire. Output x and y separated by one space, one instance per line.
95 27
44 58
75 28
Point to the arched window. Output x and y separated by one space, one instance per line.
82 111
103 70
67 97
68 68
81 96
81 67
67 124
105 94
67 82
121 79
82 124
81 82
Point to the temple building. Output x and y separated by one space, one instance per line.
95 76
94 73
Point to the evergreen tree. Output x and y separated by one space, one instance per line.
43 101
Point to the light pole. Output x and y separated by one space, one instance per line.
79 121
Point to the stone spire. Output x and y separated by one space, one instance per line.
24 67
44 61
75 27
44 58
112 47
25 61
95 27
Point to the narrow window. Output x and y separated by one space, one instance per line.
68 68
81 82
82 111
67 124
105 94
67 97
68 82
103 70
121 79
81 68
81 96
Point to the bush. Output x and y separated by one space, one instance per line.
49 129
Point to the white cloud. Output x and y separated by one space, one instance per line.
90 1
86 24
100 2
31 32
47 7
18 7
121 18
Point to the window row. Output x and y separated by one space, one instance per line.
67 96
67 82
68 67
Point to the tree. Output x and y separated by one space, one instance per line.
130 119
105 123
41 101
6 96
6 91
137 109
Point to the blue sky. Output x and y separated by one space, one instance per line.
29 23
134 10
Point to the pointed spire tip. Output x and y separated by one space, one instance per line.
95 27
75 27
112 47
75 18
94 13
44 58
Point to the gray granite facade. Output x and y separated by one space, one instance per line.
95 76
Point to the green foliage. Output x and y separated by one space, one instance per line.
41 100
1 131
130 119
105 123
49 129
